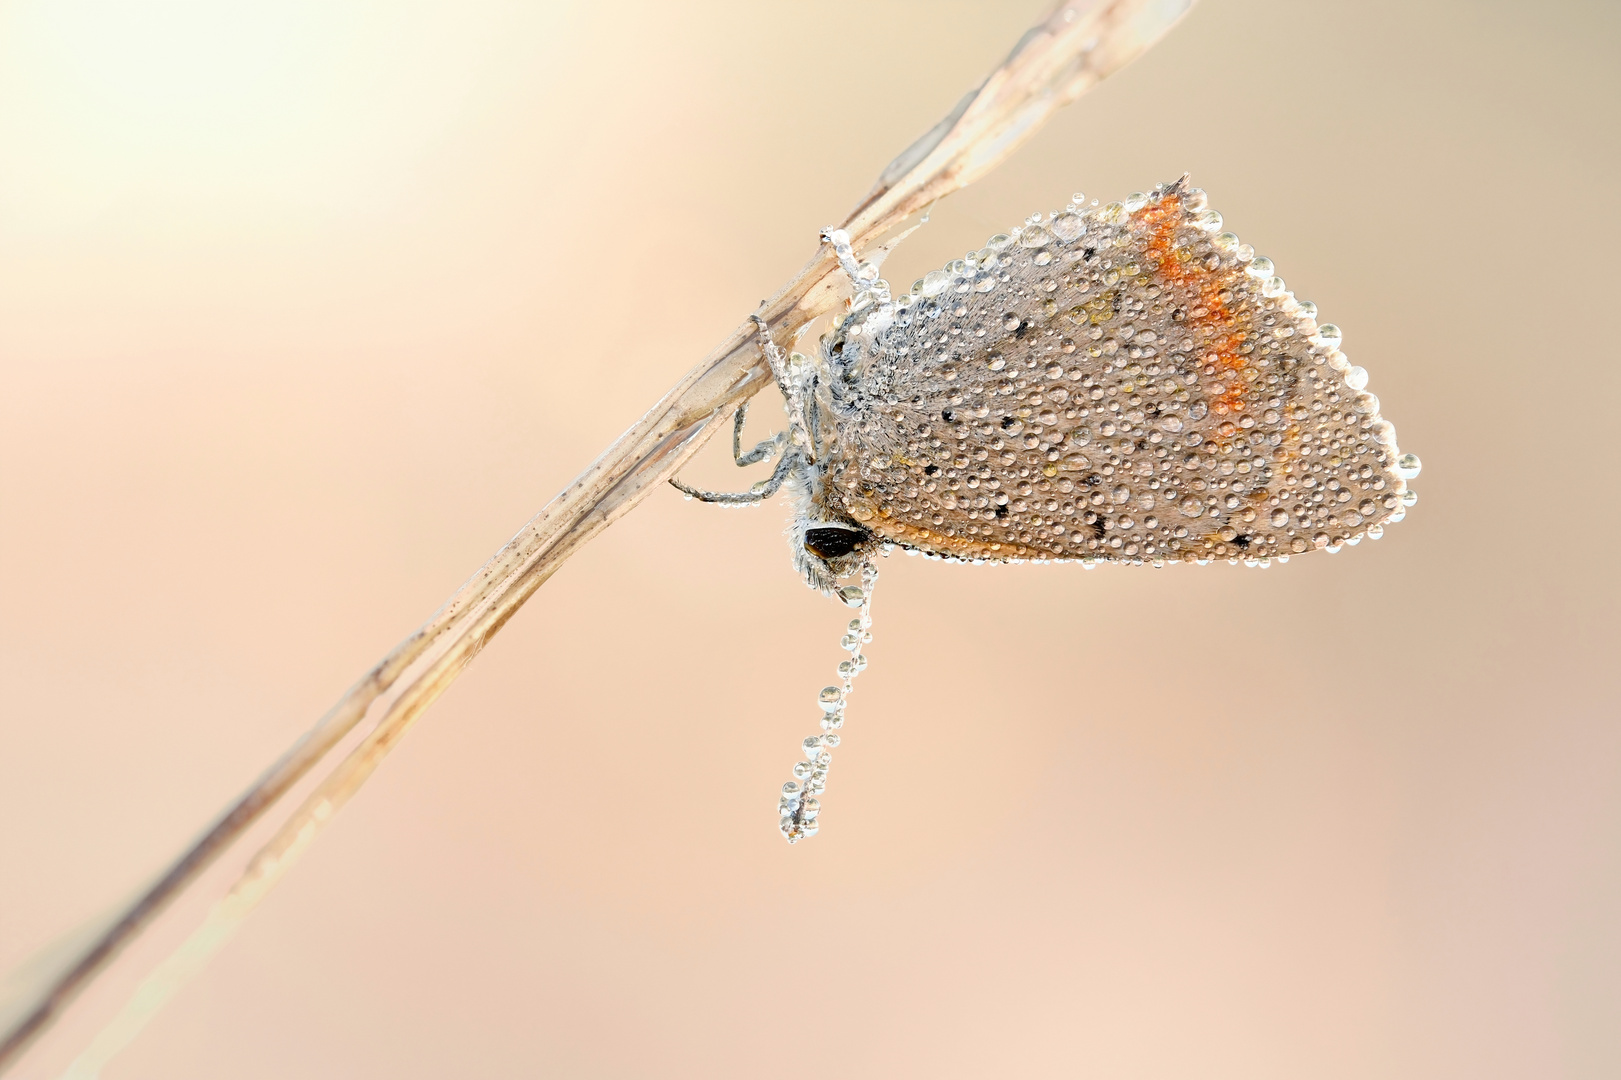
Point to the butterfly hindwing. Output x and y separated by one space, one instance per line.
1121 383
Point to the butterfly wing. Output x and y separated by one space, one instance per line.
1120 383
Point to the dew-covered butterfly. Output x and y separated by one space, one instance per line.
1122 383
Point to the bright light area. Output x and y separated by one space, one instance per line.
312 103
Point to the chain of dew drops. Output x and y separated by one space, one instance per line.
799 806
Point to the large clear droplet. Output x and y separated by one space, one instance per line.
1068 227
1034 236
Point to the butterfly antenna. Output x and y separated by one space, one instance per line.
800 805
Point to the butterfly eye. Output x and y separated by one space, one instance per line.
832 541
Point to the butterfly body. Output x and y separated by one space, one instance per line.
1122 383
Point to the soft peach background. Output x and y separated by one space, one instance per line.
305 307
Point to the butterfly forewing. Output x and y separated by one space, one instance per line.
1120 383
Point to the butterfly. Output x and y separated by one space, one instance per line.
1124 383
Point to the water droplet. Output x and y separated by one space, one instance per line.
1261 267
1112 214
1068 227
1034 236
934 283
852 595
1135 201
1356 378
1209 221
1409 497
1408 466
1226 243
1280 518
1329 334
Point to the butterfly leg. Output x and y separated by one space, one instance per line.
761 452
757 494
790 383
864 280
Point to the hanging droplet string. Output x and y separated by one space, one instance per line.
799 805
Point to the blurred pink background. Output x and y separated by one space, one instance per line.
306 307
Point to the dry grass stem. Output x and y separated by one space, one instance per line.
1058 59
